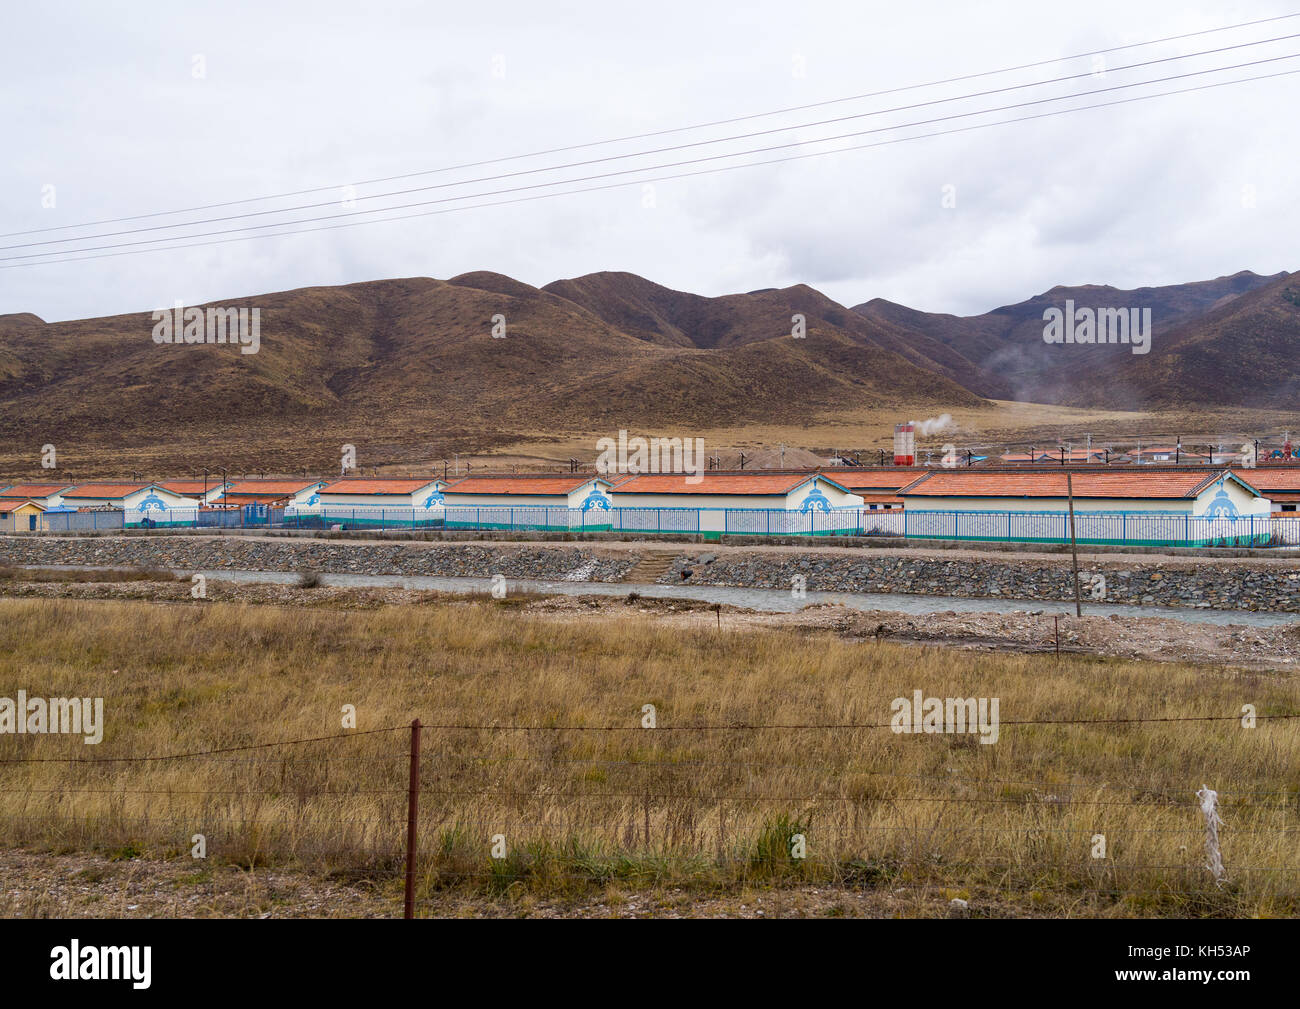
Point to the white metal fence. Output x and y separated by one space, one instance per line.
1095 528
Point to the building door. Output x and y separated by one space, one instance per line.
31 522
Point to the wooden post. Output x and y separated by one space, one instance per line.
1074 547
412 810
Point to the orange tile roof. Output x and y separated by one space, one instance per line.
377 485
276 488
520 484
881 499
1157 483
717 483
1271 478
26 490
869 480
93 490
189 486
8 506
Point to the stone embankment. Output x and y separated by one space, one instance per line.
1202 583
234 553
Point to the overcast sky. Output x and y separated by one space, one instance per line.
133 108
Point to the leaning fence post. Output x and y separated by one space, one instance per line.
412 809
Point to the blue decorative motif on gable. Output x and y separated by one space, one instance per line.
1221 506
816 501
595 501
435 500
313 500
152 503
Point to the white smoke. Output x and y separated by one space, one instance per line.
933 425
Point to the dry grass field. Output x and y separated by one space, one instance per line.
535 739
274 449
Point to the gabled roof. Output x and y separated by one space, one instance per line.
14 505
398 486
270 488
189 487
29 490
758 483
522 484
1267 478
1158 484
96 490
859 480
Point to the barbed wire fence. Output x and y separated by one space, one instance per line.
650 808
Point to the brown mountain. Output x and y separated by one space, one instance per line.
409 369
1008 341
663 316
1244 352
410 366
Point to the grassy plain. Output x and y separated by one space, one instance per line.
535 738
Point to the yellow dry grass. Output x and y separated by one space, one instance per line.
1014 822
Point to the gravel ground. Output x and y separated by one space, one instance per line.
1146 638
41 885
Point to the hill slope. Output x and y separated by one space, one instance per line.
405 365
1009 340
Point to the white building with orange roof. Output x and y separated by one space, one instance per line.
1280 484
759 502
764 489
878 486
128 497
1167 491
48 495
297 493
206 491
571 490
1155 506
380 492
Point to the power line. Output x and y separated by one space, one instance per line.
680 147
663 132
675 147
620 185
330 217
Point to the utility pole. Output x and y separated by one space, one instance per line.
1074 547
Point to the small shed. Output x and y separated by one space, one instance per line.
21 516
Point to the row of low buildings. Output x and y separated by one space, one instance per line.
1186 490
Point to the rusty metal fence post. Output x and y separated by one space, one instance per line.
412 811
